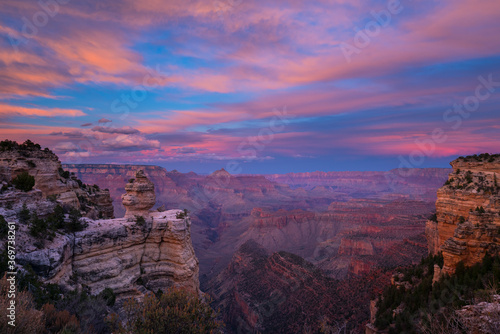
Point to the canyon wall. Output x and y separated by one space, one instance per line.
414 183
467 222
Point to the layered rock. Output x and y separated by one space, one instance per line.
120 254
467 223
139 197
129 255
50 178
283 293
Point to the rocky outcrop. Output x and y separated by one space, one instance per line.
482 317
120 254
50 178
139 197
467 222
129 255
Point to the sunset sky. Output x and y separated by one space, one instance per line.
253 86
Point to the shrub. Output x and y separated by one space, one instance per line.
109 296
38 226
139 220
24 215
24 182
175 311
4 227
28 319
182 214
57 321
63 173
468 177
75 224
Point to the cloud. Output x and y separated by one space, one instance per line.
86 124
129 143
186 150
104 120
125 130
12 110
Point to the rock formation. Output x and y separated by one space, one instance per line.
129 255
139 197
283 293
50 178
467 222
120 254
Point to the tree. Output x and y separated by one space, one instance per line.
24 182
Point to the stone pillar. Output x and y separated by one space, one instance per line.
139 197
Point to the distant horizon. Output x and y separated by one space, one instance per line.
169 169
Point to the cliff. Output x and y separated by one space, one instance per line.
144 251
120 254
467 222
54 183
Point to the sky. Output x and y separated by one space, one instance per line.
253 86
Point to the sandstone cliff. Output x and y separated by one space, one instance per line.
144 251
50 178
120 254
467 222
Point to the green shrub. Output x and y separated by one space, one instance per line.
24 181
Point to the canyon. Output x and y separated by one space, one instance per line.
383 210
277 253
254 233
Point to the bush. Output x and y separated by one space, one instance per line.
24 215
175 311
28 319
139 220
4 227
63 173
24 182
75 224
182 214
109 296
